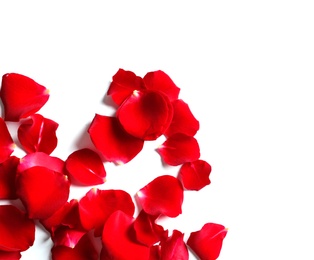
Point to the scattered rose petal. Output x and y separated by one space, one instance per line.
174 248
21 96
6 142
4 255
65 236
7 178
207 242
163 195
178 149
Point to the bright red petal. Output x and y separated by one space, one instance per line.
10 255
195 175
145 114
207 242
38 134
178 149
174 248
118 241
86 166
17 231
6 142
97 205
112 141
21 96
163 195
7 178
42 191
65 236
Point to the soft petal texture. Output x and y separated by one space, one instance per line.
17 231
207 242
7 178
174 248
6 142
145 114
21 96
160 81
178 149
183 120
195 175
42 191
10 255
112 141
38 134
118 241
97 205
123 84
65 236
163 195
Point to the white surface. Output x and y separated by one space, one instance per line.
244 67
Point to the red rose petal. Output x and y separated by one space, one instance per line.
195 175
117 240
65 236
10 255
163 195
7 178
21 96
183 120
145 114
97 205
178 149
38 134
17 231
112 141
174 247
207 242
6 142
42 191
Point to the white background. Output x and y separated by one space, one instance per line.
244 67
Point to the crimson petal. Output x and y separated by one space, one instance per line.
178 149
207 242
65 236
7 178
163 195
21 96
174 248
6 142
112 141
10 255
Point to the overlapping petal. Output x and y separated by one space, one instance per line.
7 178
174 248
6 142
4 255
21 96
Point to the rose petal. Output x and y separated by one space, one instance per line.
174 247
97 205
21 96
163 195
112 141
10 255
86 167
207 242
195 175
117 240
38 134
178 149
65 236
17 231
7 178
145 114
42 191
6 142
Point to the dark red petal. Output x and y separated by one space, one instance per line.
21 96
86 167
195 175
17 231
174 248
38 134
123 84
117 239
6 142
207 242
7 178
178 149
42 191
160 81
163 195
10 255
154 253
145 114
183 120
112 141
97 205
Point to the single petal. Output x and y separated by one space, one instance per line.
7 178
42 191
97 205
86 167
112 141
174 248
207 242
163 195
145 114
21 96
118 241
4 255
195 175
178 149
38 134
6 142
17 231
183 120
